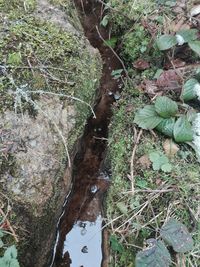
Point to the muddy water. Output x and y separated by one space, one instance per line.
79 239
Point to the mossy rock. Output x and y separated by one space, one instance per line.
48 78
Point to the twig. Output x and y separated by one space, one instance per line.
63 95
9 226
121 61
132 161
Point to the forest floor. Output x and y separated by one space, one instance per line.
154 196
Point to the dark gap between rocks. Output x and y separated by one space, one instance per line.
79 239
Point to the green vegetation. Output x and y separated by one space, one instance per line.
154 179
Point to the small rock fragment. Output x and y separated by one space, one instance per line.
195 11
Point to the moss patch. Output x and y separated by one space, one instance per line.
37 55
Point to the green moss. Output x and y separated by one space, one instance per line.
14 7
37 55
123 13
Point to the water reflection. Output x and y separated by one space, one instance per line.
83 243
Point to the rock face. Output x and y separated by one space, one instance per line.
46 68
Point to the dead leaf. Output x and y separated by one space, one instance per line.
170 79
141 64
158 181
149 87
170 147
129 108
175 63
144 161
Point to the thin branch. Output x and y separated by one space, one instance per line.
9 226
132 161
121 61
63 95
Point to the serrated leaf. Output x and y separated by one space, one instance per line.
165 107
167 167
115 244
176 235
195 46
166 126
147 118
189 91
183 130
158 160
188 35
156 255
166 41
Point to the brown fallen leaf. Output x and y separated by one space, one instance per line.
129 108
144 161
175 63
141 64
170 79
170 147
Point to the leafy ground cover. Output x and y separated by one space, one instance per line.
155 162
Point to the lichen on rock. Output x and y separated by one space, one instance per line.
45 64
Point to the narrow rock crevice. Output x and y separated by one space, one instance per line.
89 183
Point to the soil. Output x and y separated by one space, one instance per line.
89 183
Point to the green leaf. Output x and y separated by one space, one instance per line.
165 107
154 157
167 167
156 255
117 73
147 118
188 35
14 58
166 126
122 207
3 262
176 235
160 161
115 244
105 21
166 41
111 42
183 130
189 91
11 252
10 258
158 73
195 46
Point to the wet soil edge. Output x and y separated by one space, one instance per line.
88 160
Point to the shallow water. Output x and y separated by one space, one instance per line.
84 203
